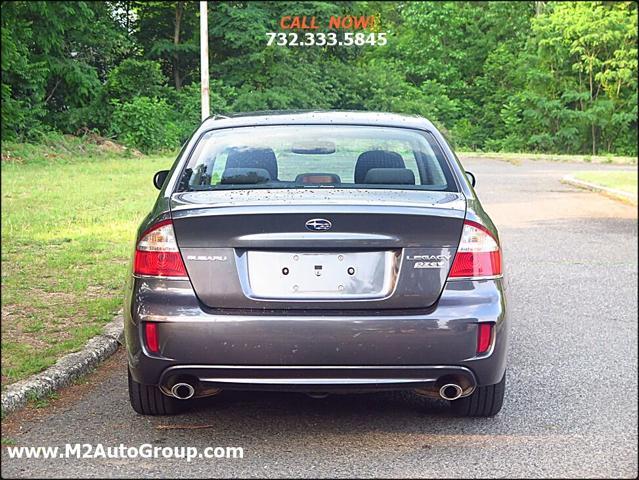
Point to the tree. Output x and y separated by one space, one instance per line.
168 32
587 54
56 54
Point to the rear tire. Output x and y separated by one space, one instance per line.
485 401
149 400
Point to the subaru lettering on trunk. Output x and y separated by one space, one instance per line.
321 252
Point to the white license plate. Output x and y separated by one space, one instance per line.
321 276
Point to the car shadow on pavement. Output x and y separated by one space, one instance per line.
298 414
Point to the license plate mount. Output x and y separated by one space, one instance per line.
320 275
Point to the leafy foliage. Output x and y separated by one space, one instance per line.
145 123
586 53
135 78
58 53
556 77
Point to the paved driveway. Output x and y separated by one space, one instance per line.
571 404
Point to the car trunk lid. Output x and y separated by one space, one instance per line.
328 249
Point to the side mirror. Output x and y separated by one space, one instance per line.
159 178
471 177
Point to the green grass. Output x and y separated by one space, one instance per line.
41 402
516 158
67 233
626 181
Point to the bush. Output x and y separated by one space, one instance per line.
134 78
467 135
187 109
21 118
145 123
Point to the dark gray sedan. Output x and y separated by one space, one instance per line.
321 252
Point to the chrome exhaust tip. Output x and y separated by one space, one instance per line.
183 391
450 391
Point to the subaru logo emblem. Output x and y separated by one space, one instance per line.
318 224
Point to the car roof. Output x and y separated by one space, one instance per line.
317 117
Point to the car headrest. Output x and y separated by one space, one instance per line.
245 176
249 157
390 176
376 159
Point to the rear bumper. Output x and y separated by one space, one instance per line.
317 378
313 353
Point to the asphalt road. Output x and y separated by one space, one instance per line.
571 401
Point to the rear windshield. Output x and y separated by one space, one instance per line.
317 156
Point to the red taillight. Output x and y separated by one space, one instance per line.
478 254
159 264
157 253
484 335
151 334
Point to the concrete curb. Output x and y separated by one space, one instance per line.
611 192
66 369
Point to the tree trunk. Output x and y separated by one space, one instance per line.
52 92
179 9
128 17
581 101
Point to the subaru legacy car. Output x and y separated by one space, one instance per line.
316 252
